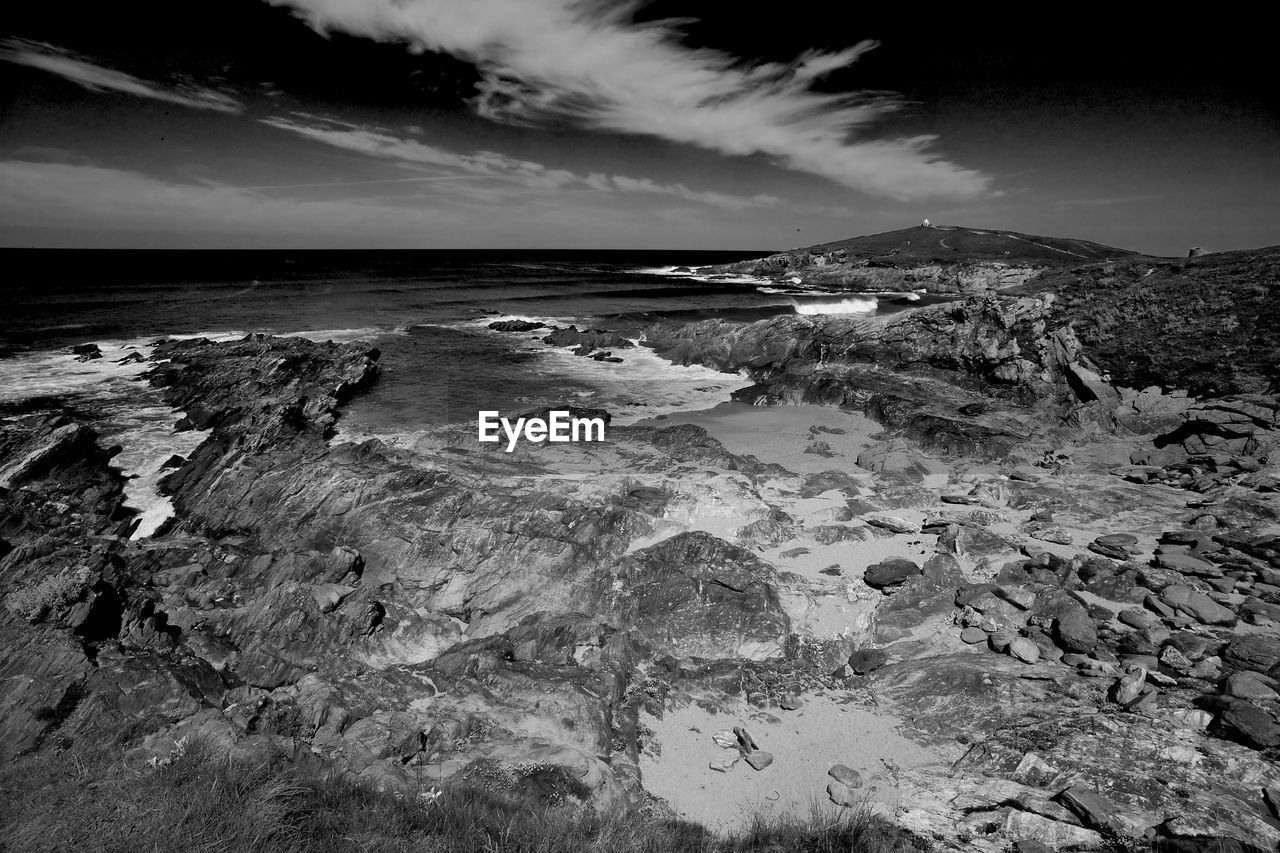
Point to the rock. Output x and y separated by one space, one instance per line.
845 775
1093 809
1197 605
1247 722
586 340
86 352
1272 795
725 739
1075 632
1256 652
1128 688
1048 533
1024 650
1188 565
516 325
890 572
746 743
759 759
1135 618
724 765
841 794
973 636
1055 834
892 523
999 641
1247 684
864 661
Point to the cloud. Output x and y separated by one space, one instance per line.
380 143
588 62
65 64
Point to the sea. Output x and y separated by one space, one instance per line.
426 311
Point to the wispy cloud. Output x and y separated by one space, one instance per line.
588 62
382 144
77 69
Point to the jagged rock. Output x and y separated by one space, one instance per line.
759 759
724 765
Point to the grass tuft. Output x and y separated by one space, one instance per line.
202 801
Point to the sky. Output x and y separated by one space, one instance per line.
437 124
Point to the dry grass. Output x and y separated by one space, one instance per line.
203 802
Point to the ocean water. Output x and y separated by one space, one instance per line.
427 311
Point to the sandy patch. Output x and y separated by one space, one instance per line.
781 434
805 743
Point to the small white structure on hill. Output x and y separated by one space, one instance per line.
924 223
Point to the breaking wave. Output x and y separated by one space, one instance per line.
843 306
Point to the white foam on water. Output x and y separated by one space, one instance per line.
854 305
346 336
697 274
643 385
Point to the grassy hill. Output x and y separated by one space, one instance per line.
954 243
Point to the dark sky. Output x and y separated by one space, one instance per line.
554 123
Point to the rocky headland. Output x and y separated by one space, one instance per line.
928 258
1006 569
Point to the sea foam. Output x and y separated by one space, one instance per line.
855 305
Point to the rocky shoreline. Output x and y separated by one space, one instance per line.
1065 593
